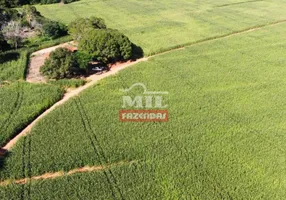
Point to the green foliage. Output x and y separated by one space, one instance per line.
69 1
106 45
54 29
80 26
21 103
17 3
60 64
68 83
13 65
83 59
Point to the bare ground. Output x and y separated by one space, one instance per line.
38 59
54 175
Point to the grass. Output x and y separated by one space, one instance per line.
68 83
21 103
164 24
224 140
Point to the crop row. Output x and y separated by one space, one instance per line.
21 103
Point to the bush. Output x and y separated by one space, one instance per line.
61 64
54 29
106 45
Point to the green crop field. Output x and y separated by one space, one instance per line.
158 25
20 103
225 138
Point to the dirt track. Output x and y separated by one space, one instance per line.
61 173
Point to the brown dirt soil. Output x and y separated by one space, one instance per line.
54 175
38 59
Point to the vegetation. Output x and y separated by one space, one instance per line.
96 43
19 26
106 45
158 26
61 64
80 26
13 65
17 3
68 83
222 138
54 29
21 103
225 138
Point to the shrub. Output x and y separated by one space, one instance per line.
61 64
106 45
54 29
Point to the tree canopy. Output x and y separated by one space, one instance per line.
80 26
106 45
60 64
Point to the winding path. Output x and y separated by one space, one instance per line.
95 78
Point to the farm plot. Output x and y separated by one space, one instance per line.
20 103
164 24
225 138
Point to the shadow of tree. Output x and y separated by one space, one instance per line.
3 155
9 56
137 52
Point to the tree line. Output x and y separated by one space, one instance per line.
96 43
17 3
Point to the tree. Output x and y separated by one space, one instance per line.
7 15
54 29
83 60
30 14
14 33
106 45
61 64
80 26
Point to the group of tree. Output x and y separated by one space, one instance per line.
96 43
103 44
17 3
16 24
